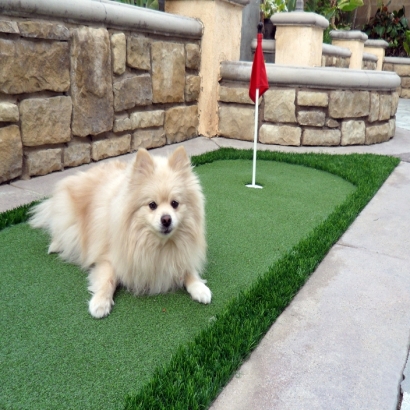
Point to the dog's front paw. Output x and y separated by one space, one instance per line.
200 292
99 306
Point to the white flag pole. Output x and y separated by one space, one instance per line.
255 141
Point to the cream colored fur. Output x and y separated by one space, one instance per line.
104 221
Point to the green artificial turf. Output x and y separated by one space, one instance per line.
168 351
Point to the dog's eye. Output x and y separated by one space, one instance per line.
174 204
152 205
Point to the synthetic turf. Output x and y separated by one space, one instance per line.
54 355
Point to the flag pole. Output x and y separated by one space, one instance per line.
255 141
257 86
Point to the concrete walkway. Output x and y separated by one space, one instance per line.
343 341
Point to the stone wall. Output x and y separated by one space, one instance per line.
297 116
401 66
75 93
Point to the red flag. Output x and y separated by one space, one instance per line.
259 78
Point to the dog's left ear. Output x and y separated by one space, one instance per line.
144 163
179 160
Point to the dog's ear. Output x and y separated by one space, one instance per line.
179 160
144 163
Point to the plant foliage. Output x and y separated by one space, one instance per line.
150 4
392 27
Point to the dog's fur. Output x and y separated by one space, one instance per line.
139 225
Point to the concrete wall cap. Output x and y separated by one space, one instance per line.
299 18
331 50
107 12
376 43
370 57
316 77
397 60
242 3
268 46
348 35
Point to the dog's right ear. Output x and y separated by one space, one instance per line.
144 163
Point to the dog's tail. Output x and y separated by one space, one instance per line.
40 215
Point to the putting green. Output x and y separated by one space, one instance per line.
54 355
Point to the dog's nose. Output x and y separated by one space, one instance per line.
166 220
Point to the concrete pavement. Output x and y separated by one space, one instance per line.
343 341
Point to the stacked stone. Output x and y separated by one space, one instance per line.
72 94
402 67
295 116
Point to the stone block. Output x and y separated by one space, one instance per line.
45 120
377 133
321 137
42 162
402 69
76 153
405 93
110 147
193 56
168 72
388 67
392 127
374 107
132 91
118 53
11 153
146 119
394 103
236 122
313 99
148 138
138 52
405 82
192 87
91 81
238 95
385 107
43 29
32 66
312 118
331 123
9 112
181 123
345 104
8 26
122 123
280 134
280 105
353 132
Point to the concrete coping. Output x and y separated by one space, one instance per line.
376 43
370 57
397 60
242 3
331 50
268 46
107 12
352 35
299 18
314 77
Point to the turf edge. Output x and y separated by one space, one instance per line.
199 370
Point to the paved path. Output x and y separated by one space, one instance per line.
343 341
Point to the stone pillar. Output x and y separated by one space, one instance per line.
353 40
221 41
299 38
378 48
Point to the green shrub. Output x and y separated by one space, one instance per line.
392 27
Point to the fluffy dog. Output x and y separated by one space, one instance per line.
139 225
